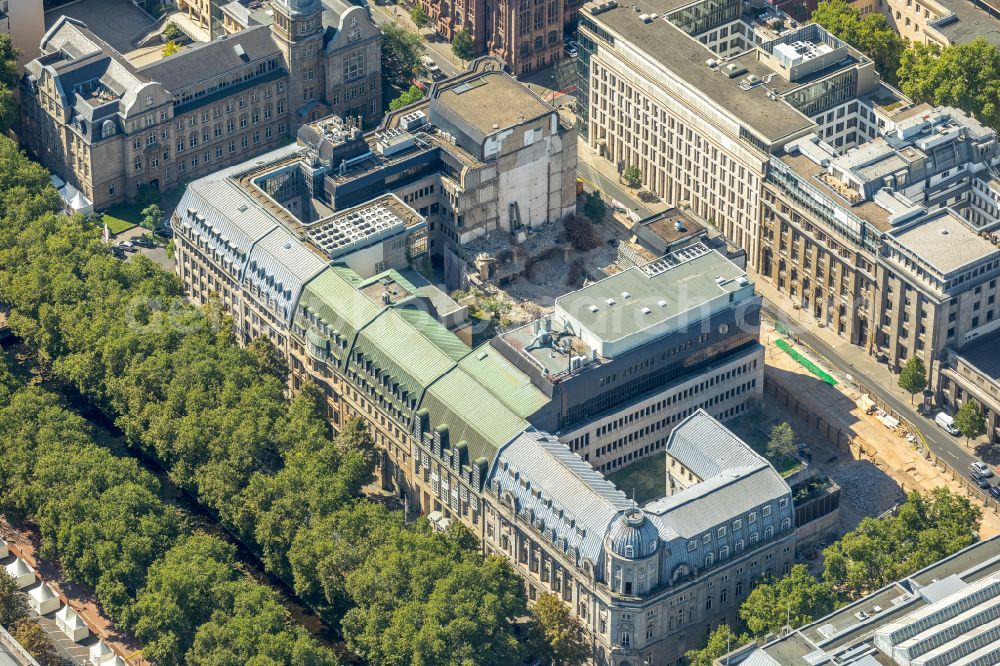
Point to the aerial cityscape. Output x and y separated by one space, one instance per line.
496 333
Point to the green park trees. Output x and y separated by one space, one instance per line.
913 376
175 381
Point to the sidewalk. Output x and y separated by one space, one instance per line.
602 175
871 439
865 368
80 599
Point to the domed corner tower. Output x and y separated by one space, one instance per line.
632 549
298 31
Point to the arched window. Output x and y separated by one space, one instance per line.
107 129
786 524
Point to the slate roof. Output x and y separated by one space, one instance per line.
210 59
705 505
282 266
708 448
576 502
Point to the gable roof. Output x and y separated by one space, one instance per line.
708 448
210 59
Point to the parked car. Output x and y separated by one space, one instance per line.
946 422
144 241
571 49
995 491
126 246
979 481
982 469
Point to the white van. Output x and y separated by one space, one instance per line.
432 67
946 422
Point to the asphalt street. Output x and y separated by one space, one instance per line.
940 442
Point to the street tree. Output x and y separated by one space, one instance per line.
462 45
913 377
401 51
966 76
13 607
632 176
878 551
152 217
781 442
565 643
593 207
419 17
794 599
413 94
33 638
719 643
970 420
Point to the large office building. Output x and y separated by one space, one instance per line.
642 361
888 244
698 99
947 614
974 373
109 127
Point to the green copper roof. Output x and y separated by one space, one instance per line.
472 414
511 386
334 299
411 347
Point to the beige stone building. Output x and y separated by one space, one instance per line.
834 229
941 22
109 128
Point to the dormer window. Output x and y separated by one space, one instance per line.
629 551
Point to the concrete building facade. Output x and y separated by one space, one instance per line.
109 128
686 94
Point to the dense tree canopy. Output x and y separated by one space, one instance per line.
411 95
177 383
794 599
881 550
966 76
871 34
401 51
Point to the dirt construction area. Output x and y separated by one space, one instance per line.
873 462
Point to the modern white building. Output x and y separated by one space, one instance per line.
945 615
